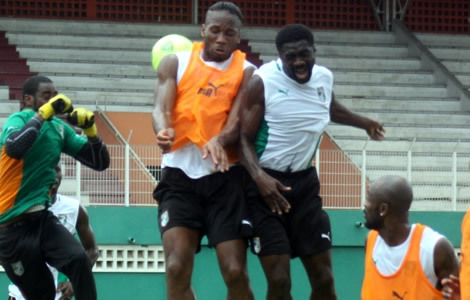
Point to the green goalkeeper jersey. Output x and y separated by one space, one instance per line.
26 182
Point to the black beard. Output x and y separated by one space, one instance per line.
374 224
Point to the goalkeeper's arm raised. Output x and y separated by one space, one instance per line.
94 154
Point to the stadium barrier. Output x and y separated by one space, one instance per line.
440 180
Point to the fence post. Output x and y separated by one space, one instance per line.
194 13
409 166
126 175
317 161
363 178
78 179
454 181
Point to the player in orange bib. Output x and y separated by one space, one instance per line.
465 264
458 288
197 96
403 261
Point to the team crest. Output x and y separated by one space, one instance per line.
164 218
321 94
62 218
61 131
256 245
17 268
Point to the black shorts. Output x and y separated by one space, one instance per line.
214 204
304 231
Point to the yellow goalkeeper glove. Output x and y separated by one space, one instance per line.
59 104
84 119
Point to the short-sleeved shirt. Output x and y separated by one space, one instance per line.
295 117
27 181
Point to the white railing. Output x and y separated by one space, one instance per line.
441 181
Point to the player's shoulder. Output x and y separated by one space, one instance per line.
25 114
430 238
322 70
67 200
182 55
247 64
273 64
269 68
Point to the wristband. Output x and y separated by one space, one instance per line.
91 132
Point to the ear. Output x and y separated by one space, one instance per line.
384 209
203 28
28 101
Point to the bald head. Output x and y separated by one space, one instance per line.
394 190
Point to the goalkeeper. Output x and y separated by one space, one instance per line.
31 142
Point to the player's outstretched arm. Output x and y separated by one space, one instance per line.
21 136
251 113
164 97
445 261
229 135
86 235
340 114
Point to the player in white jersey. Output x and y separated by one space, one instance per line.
289 103
75 218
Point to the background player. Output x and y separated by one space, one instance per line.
402 259
288 105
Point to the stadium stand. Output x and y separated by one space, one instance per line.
375 74
453 51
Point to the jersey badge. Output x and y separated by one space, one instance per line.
256 245
321 94
17 268
61 131
62 218
164 218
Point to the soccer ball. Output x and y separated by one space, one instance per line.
167 45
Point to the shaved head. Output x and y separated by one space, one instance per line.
394 190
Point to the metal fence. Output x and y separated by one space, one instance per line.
441 181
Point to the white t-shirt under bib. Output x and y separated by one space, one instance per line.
389 259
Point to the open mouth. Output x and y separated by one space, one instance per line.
301 73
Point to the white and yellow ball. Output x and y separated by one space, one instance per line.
167 45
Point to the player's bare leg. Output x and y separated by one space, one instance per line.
277 271
179 245
320 275
232 261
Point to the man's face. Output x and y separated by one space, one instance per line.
221 34
372 213
46 91
298 59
